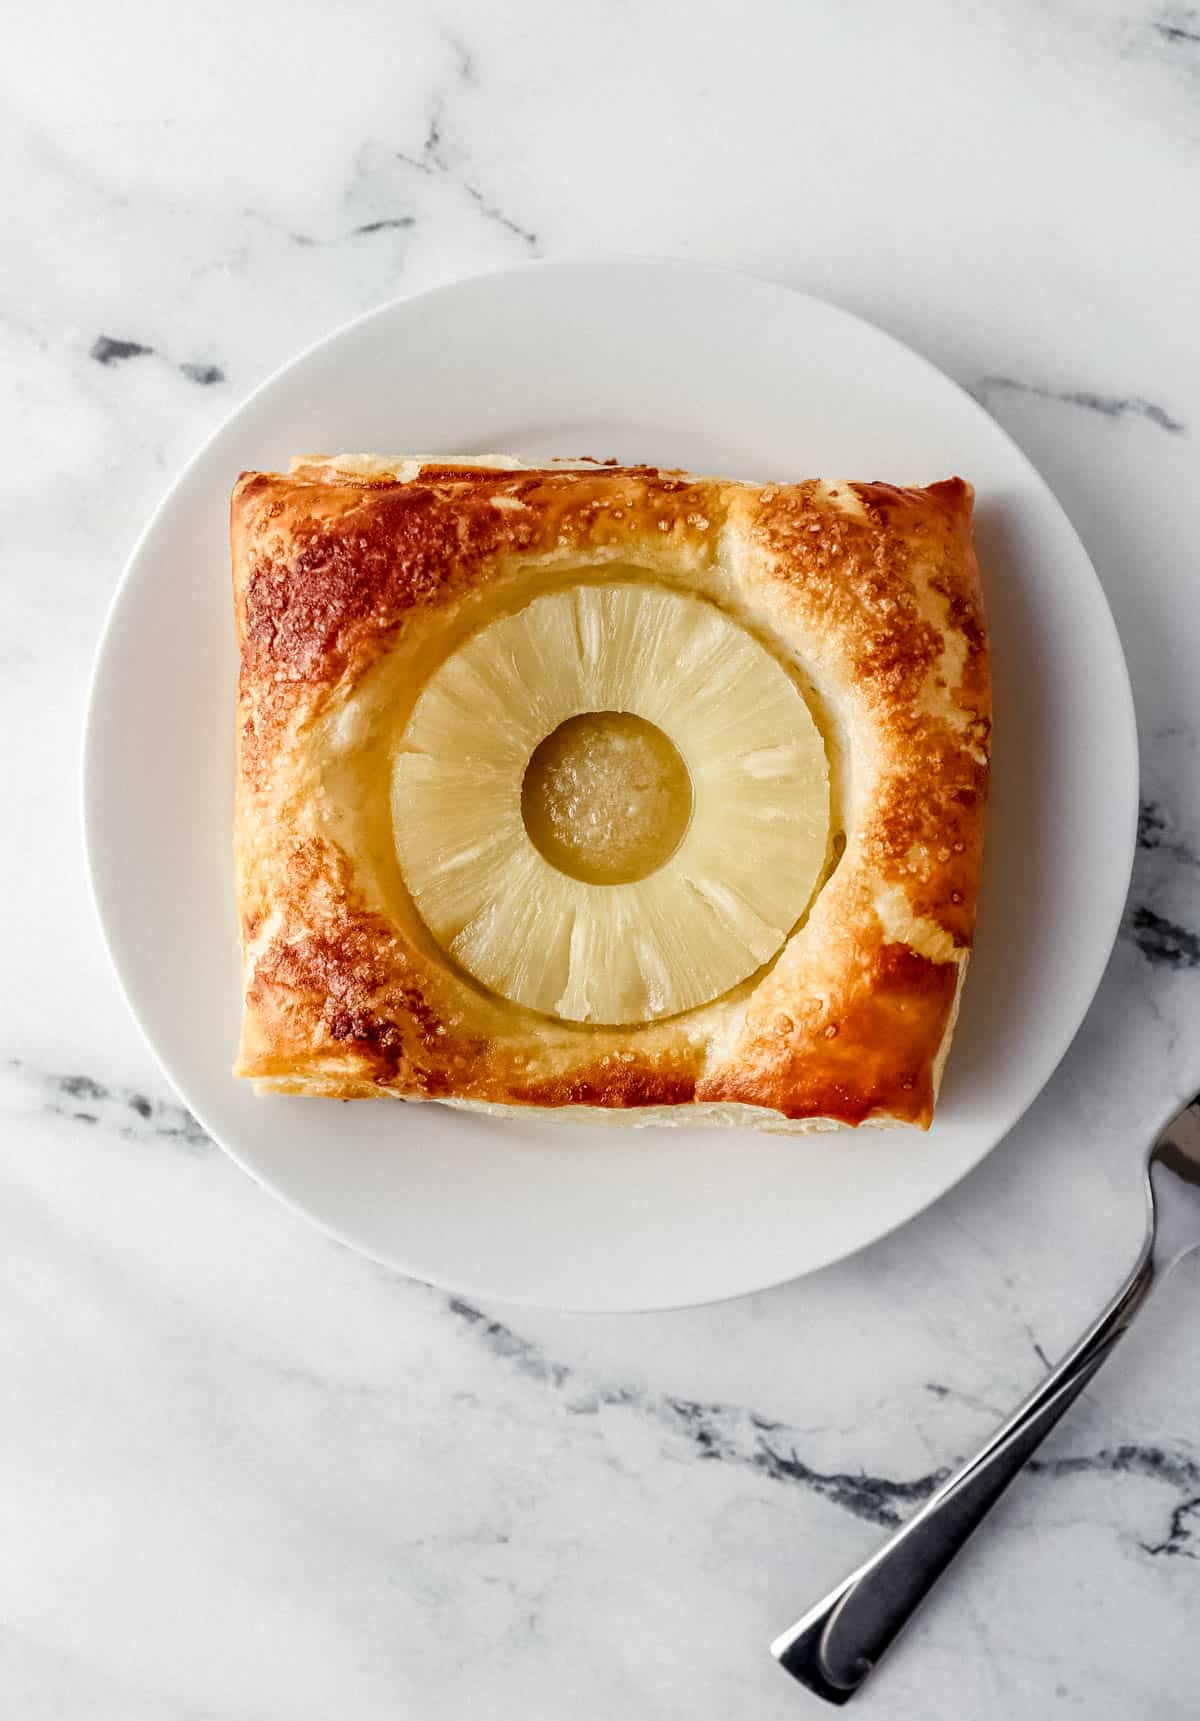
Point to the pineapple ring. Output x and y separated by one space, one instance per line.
725 901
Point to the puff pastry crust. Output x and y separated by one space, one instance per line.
355 576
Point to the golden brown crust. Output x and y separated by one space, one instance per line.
353 576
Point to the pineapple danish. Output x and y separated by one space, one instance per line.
606 792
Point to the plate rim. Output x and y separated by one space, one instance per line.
1101 950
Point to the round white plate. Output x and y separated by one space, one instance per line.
672 364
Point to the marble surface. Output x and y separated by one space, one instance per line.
250 1477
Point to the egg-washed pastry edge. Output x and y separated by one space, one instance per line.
873 589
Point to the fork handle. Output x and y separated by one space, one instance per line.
836 1646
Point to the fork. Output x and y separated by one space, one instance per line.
837 1644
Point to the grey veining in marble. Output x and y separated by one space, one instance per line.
251 1477
1113 406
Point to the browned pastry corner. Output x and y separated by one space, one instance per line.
355 578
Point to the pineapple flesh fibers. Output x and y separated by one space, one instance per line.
710 876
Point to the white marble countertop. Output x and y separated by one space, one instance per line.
250 1477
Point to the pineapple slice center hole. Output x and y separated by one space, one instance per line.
606 798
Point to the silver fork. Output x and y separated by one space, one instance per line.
839 1642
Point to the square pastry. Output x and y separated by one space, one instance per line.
606 791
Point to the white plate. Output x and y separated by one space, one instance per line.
678 365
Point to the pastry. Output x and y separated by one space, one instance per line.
606 792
